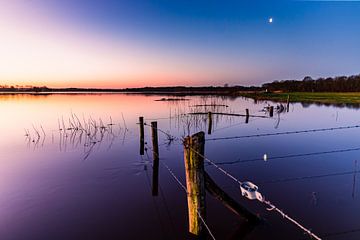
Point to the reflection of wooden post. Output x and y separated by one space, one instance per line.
155 180
142 143
287 103
271 111
228 201
247 116
210 122
194 166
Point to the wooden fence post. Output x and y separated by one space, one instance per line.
271 111
154 138
195 184
210 122
247 116
142 143
287 103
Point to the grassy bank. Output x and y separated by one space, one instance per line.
308 97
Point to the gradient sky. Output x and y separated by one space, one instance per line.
134 43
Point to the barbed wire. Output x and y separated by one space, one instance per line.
170 137
234 125
268 203
187 193
165 118
270 206
311 177
228 114
342 232
284 133
290 156
184 188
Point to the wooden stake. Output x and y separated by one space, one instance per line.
271 112
194 167
210 122
247 116
287 103
154 138
142 143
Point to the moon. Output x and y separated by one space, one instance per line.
270 20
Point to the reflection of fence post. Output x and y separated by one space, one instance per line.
195 185
287 103
271 111
210 122
247 116
142 143
227 201
154 137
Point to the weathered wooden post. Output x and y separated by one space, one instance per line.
287 103
154 138
247 116
210 122
271 111
195 185
142 143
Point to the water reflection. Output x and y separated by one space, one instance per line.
118 194
74 133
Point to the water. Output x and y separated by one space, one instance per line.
64 185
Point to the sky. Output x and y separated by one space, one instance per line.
137 43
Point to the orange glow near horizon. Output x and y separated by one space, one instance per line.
39 52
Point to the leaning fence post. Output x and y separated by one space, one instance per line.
154 138
142 143
195 184
228 201
210 122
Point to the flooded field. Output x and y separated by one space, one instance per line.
71 167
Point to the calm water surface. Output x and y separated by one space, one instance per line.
57 184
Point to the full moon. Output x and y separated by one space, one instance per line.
270 20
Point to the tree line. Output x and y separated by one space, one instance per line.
204 90
336 84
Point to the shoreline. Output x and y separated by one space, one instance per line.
294 97
307 97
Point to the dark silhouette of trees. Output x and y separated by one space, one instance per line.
206 90
336 84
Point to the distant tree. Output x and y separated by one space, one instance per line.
337 84
307 78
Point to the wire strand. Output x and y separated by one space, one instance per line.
284 133
311 177
268 203
290 156
187 193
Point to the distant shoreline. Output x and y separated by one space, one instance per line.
178 90
331 98
256 93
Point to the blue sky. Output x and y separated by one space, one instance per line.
194 42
